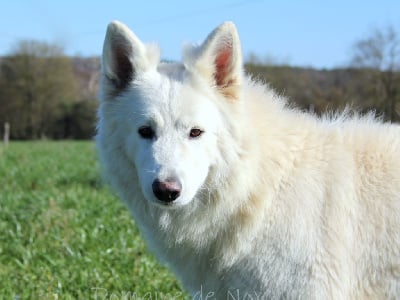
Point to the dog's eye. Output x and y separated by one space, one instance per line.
146 132
195 132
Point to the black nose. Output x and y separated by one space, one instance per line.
168 190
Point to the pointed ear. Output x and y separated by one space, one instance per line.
124 58
220 60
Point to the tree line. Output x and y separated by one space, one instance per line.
46 94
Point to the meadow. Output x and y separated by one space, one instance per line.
64 235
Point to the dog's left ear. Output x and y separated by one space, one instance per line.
124 58
219 60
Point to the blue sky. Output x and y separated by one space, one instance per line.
302 33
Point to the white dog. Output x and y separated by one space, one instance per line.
241 196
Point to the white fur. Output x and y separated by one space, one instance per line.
275 203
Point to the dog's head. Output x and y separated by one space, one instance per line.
170 119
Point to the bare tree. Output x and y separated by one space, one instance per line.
380 53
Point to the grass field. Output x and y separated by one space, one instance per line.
63 235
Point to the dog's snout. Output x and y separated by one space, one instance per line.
168 190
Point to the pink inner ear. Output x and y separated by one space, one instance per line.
222 65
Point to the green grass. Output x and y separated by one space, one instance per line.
63 235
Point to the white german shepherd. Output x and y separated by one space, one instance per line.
241 196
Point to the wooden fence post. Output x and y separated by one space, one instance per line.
6 133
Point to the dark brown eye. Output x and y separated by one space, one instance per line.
195 132
146 132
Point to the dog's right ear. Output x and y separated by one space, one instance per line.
219 60
124 58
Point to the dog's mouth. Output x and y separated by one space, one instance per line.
167 205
